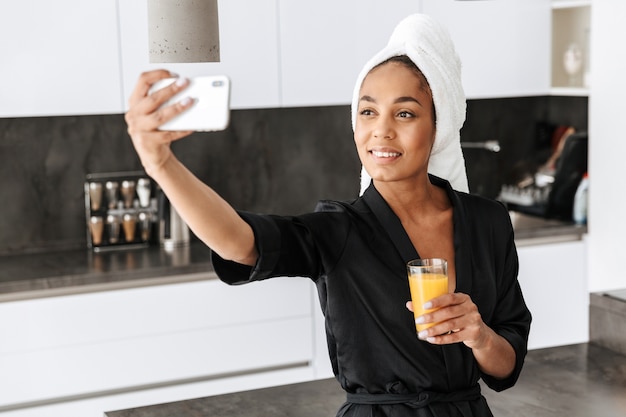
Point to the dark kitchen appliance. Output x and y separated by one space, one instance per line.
173 231
552 195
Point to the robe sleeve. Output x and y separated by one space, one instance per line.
285 247
511 317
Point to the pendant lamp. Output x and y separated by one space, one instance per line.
183 31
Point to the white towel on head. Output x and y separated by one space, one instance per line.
428 44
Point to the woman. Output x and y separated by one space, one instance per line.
407 111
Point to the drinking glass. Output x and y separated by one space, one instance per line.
428 279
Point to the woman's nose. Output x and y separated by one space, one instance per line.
383 128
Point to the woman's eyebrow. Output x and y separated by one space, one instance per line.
404 99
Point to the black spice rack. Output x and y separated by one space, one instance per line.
121 211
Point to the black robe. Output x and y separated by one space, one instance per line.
356 253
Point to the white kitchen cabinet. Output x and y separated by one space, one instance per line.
278 53
248 50
168 337
607 147
324 44
504 45
553 278
59 58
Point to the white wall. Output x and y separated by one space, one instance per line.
607 151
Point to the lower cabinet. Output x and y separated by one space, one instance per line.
553 278
84 354
81 355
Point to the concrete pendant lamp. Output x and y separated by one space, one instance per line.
182 31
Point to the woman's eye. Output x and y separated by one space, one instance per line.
405 114
367 112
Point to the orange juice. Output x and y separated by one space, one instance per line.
425 287
428 279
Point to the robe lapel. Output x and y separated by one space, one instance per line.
403 244
391 223
462 247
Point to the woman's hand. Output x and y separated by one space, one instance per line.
145 116
457 318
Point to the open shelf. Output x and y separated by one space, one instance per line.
571 22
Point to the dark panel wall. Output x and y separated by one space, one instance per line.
278 160
271 160
522 126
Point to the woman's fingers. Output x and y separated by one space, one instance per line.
147 113
156 117
145 82
146 110
457 319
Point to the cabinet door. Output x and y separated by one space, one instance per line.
553 278
248 50
59 58
607 147
504 45
324 45
121 340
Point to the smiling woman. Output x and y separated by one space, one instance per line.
356 252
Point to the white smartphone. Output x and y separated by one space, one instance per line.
211 109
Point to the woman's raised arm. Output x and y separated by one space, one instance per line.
208 215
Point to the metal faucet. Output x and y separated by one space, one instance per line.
490 145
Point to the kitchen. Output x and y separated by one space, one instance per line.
45 223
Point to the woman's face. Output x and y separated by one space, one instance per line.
395 129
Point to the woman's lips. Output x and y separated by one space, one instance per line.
383 157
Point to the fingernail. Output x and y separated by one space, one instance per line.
181 81
423 334
430 339
419 320
427 305
185 101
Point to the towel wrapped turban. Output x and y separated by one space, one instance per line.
428 44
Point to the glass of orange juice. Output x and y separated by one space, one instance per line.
428 278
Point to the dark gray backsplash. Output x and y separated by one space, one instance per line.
273 160
522 126
270 160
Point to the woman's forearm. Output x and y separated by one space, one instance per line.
207 214
496 356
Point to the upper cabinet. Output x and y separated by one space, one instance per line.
324 44
278 53
248 50
504 45
59 58
571 35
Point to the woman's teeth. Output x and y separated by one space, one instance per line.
385 154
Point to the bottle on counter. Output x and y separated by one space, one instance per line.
581 201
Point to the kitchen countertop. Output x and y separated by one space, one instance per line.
78 271
531 230
82 270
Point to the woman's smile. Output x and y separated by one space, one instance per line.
384 155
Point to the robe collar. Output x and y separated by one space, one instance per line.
402 243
